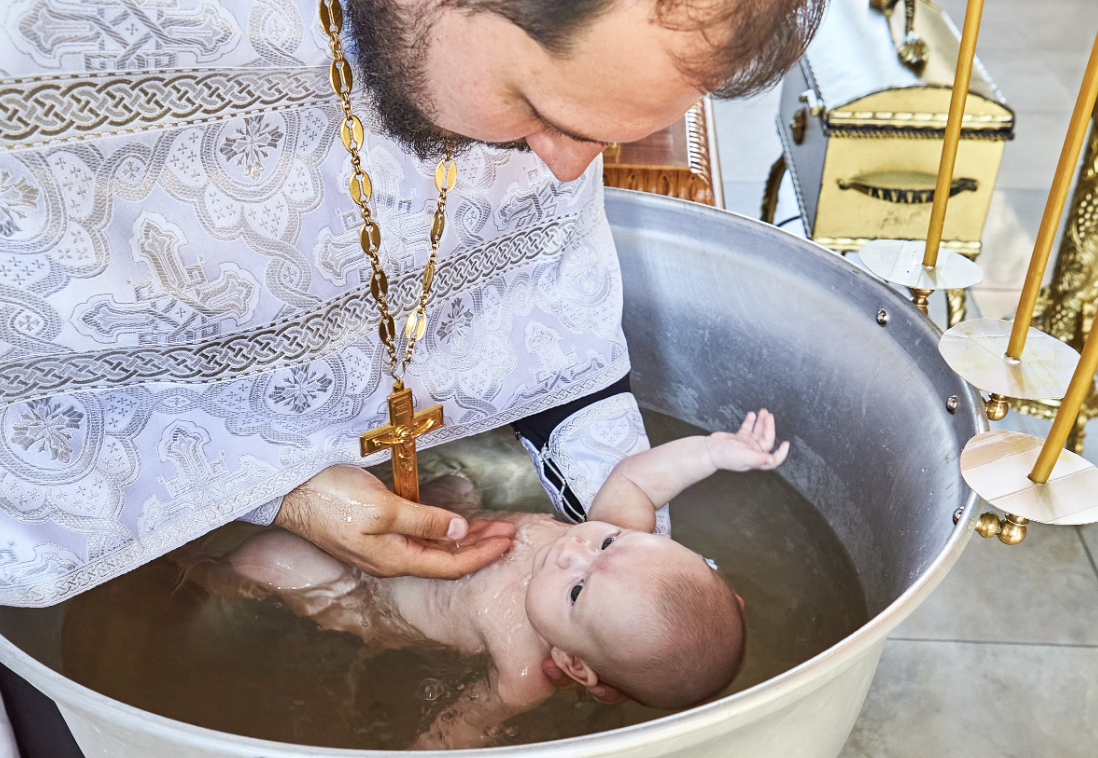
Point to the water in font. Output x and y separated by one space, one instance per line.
253 668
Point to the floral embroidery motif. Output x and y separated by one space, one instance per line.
302 389
14 196
251 145
455 325
46 426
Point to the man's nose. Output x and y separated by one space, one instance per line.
566 158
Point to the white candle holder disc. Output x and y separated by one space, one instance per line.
997 465
901 261
976 350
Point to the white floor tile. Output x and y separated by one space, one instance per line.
957 700
1043 590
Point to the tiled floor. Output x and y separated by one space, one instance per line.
1002 660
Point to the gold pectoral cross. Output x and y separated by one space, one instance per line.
400 435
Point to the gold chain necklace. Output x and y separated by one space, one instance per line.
405 425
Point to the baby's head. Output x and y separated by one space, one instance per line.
638 612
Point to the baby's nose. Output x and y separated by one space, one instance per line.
575 552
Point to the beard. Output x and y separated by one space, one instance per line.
390 48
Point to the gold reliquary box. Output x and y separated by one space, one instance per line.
862 130
678 161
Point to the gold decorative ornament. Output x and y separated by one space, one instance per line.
1011 529
399 435
912 51
997 407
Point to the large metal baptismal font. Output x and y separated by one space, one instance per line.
723 314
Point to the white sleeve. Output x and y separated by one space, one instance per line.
264 515
583 450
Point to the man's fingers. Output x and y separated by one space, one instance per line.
425 521
606 693
439 563
482 529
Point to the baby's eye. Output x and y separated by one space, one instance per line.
575 593
606 542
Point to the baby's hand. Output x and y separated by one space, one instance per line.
752 447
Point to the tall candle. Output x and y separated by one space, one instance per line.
1077 392
1077 131
957 102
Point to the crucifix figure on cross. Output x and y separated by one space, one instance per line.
400 434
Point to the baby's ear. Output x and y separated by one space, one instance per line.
574 667
564 667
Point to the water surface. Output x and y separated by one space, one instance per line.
252 668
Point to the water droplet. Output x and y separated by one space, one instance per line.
431 689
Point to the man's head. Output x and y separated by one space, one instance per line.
565 77
637 612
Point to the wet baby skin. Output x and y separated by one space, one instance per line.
565 599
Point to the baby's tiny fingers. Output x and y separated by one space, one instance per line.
781 453
748 424
764 429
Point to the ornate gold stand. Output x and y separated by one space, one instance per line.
1066 308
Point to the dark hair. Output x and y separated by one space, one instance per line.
751 43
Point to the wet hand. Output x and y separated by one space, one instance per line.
351 515
752 447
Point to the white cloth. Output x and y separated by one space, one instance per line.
187 331
583 450
8 746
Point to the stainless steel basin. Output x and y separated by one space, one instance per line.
724 315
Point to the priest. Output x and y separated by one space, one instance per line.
236 235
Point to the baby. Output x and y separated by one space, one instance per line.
621 611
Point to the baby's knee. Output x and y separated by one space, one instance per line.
283 561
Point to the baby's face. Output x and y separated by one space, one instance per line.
598 578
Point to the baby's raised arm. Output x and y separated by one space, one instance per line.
645 481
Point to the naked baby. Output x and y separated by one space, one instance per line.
607 603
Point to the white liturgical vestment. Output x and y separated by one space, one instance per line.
186 329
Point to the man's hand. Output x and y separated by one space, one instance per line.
752 447
350 514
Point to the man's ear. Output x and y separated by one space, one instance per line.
574 667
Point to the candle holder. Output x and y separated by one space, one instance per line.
997 466
977 350
901 262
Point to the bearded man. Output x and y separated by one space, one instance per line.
189 334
